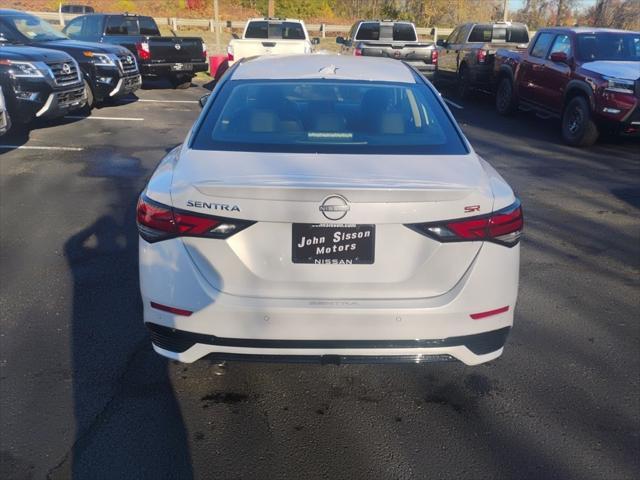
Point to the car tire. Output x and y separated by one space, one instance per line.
505 99
578 127
464 85
181 82
91 100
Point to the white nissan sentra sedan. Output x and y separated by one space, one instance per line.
328 208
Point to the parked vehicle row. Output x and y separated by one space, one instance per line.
96 59
397 40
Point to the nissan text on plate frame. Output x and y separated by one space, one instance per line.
328 208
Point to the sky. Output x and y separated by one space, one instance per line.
517 4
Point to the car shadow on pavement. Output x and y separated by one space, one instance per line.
128 422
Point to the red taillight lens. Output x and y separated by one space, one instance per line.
158 222
503 227
481 56
434 56
357 52
143 51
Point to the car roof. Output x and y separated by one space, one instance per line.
589 30
274 20
339 67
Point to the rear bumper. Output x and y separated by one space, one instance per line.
426 69
173 343
165 69
351 330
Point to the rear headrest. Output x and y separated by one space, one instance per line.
391 123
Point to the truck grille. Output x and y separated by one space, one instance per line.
128 64
71 97
65 73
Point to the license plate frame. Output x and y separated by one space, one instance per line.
317 243
182 67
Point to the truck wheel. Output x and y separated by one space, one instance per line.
578 127
464 87
505 99
181 82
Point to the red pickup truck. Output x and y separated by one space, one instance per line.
587 77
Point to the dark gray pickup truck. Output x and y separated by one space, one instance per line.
398 40
466 57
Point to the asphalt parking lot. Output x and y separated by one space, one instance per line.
83 395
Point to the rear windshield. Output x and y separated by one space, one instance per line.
322 116
499 33
398 32
608 46
148 26
275 30
121 25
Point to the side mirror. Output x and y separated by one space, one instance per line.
315 41
203 100
441 42
559 57
340 40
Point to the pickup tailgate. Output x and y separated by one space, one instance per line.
398 50
175 49
243 48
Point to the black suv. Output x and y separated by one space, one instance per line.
109 71
39 83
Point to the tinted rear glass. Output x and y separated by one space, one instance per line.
121 25
148 26
275 30
404 32
321 116
499 33
369 31
609 46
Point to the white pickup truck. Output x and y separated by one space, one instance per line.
271 36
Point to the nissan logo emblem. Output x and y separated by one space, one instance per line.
335 207
66 69
178 47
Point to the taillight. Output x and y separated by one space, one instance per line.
481 55
434 56
158 222
503 227
143 51
357 51
230 53
204 50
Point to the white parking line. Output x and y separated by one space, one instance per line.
149 100
453 104
38 147
123 119
167 101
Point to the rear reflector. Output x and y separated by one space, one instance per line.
478 316
503 227
175 311
158 222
